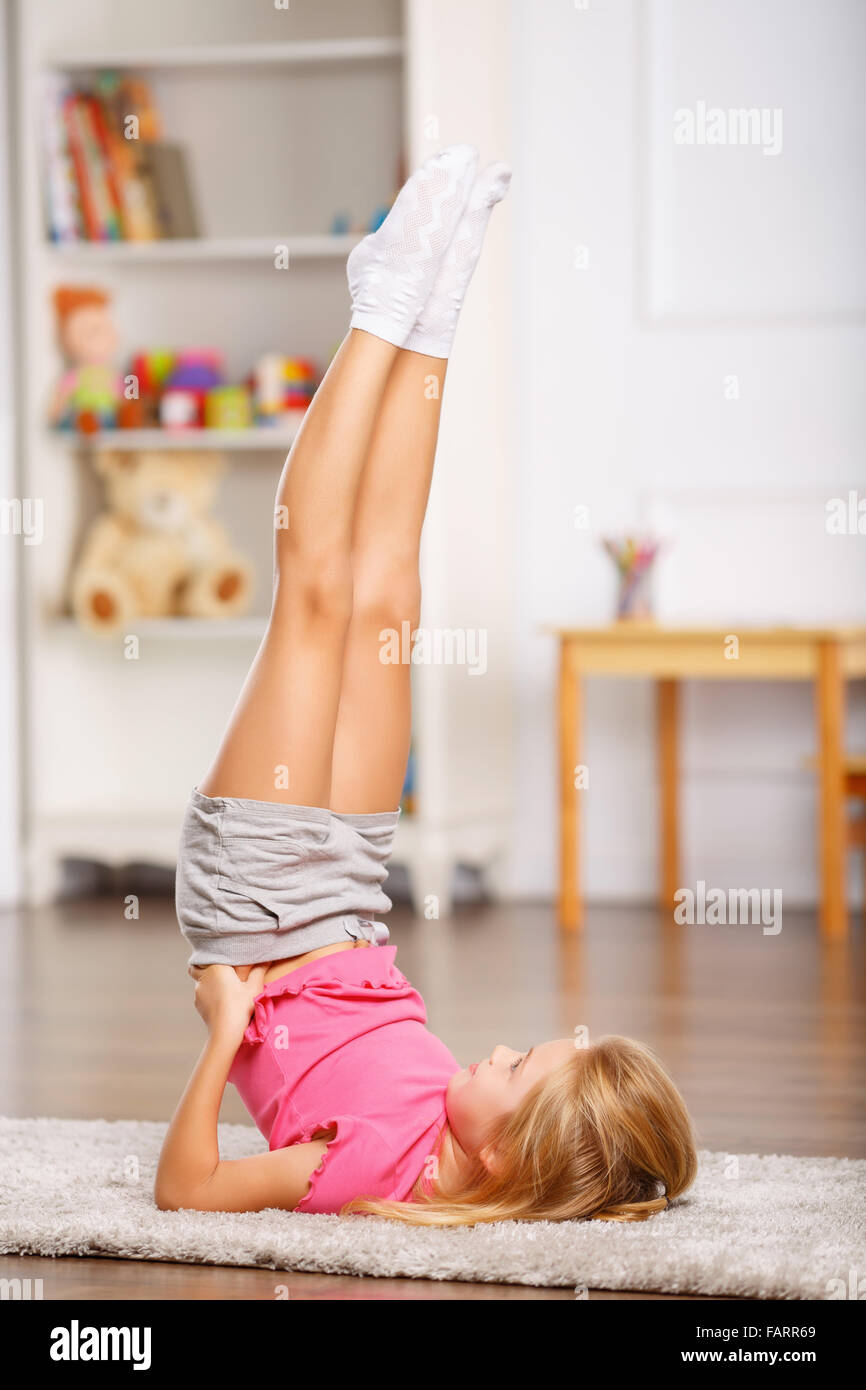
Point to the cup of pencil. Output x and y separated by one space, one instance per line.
633 558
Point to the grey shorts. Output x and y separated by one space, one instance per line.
261 881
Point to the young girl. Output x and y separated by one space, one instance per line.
286 841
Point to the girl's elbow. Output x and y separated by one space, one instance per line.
165 1200
183 1196
169 1196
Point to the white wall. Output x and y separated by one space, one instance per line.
9 788
703 263
463 725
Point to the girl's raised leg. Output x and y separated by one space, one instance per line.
279 742
371 745
374 722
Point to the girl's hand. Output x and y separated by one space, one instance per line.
223 999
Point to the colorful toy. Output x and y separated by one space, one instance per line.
194 373
180 409
156 550
149 371
282 385
131 414
228 408
89 393
152 370
200 370
378 218
407 796
268 386
183 390
341 223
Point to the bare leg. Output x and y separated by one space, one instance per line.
321 719
374 723
282 728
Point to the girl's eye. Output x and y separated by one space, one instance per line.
515 1065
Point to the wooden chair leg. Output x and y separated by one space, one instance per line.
570 900
857 832
832 831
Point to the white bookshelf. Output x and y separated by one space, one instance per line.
249 629
257 439
233 55
96 254
281 134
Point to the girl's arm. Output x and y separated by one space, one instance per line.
191 1173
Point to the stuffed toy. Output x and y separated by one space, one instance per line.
157 551
89 396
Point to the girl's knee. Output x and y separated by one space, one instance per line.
315 581
387 593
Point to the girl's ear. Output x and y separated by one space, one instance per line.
490 1159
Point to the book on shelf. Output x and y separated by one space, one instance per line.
108 174
62 205
101 216
164 167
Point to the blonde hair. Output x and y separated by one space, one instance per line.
605 1136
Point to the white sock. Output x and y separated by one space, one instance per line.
392 271
436 325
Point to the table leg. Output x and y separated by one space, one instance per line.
667 714
832 835
570 900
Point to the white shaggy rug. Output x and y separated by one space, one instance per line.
752 1226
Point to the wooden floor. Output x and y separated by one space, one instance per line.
765 1036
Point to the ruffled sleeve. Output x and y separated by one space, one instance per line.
356 1163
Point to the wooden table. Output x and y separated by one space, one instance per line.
826 656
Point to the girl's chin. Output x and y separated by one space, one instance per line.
457 1081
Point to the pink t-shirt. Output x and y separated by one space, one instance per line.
341 1042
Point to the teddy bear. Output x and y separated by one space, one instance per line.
157 551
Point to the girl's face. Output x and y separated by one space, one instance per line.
485 1092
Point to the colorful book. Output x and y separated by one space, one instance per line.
107 213
89 211
110 172
101 186
62 209
127 159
